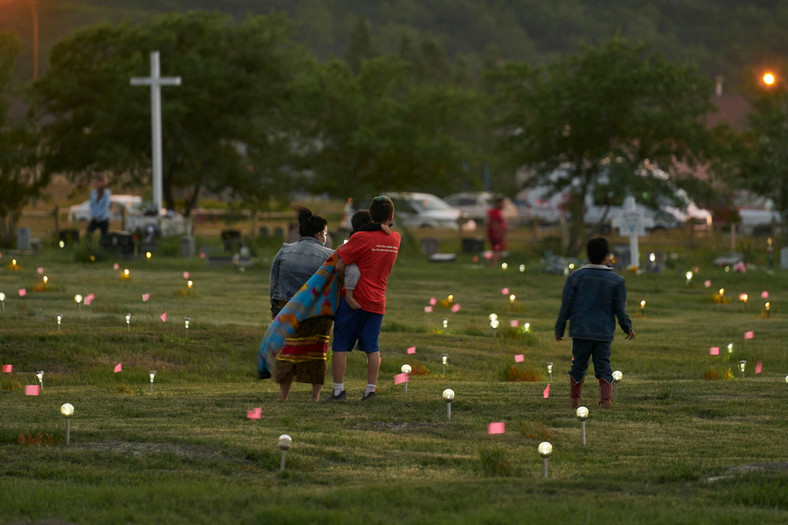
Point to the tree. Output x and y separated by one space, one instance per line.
223 118
371 131
765 167
19 178
598 117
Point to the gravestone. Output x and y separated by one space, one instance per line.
784 258
187 247
23 238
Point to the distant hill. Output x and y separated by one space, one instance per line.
725 37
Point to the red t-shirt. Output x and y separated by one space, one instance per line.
374 253
496 225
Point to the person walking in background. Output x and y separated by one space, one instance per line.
375 253
99 207
592 299
496 229
303 356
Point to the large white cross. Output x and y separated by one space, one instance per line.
632 223
155 81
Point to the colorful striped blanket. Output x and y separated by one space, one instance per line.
319 297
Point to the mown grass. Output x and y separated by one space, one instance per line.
187 453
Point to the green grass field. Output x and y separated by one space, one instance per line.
685 442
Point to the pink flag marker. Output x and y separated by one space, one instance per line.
514 323
7 369
759 367
764 294
89 299
488 255
428 309
412 350
40 270
202 255
401 378
496 428
546 392
519 358
145 297
163 317
707 284
433 301
22 292
31 390
714 350
118 368
504 291
455 308
255 413
116 266
749 335
185 275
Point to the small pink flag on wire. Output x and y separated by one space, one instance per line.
185 275
412 350
145 297
749 335
714 350
7 369
759 367
118 368
764 294
401 378
455 308
707 284
116 266
496 428
255 413
40 270
433 301
22 292
519 358
546 392
504 291
89 299
31 390
514 323
428 309
163 317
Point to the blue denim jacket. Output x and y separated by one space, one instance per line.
295 263
593 298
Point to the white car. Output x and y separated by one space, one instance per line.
476 204
118 205
424 210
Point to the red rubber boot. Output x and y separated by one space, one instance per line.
605 393
575 390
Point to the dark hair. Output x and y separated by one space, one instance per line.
380 209
359 219
309 225
596 249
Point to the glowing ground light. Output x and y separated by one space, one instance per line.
67 409
78 298
62 244
285 442
688 275
189 284
445 322
148 255
730 348
545 450
768 78
742 366
45 279
522 268
406 369
743 297
126 273
504 266
512 298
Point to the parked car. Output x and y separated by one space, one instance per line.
475 205
118 206
424 210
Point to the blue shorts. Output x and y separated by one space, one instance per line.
356 325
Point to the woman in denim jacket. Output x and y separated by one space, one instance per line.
303 356
593 298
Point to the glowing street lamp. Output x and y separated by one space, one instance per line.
67 409
448 396
582 415
285 442
545 450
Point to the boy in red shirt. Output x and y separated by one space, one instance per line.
374 251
